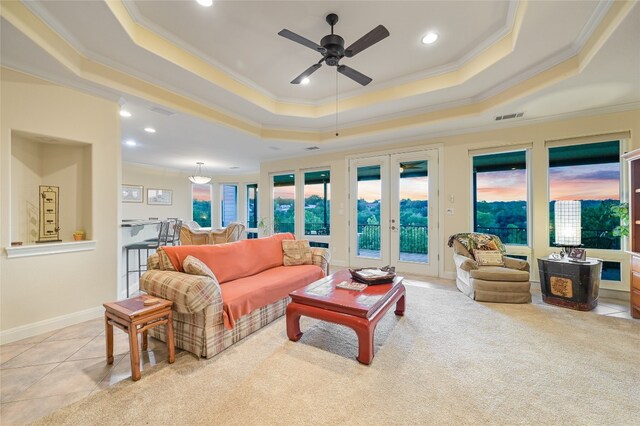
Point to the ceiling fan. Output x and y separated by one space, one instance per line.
332 49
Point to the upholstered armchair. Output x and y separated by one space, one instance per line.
191 234
484 274
233 232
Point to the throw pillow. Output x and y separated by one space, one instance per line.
488 257
164 261
194 266
296 252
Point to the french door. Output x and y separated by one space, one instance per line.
394 209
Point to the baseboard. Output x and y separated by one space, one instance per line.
33 329
449 275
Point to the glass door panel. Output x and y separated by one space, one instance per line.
413 212
369 214
369 196
413 236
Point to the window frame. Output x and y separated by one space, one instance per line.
246 205
211 201
301 224
221 186
621 255
295 201
516 249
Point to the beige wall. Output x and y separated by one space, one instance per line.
151 177
42 288
455 168
155 178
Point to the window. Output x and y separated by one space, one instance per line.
589 173
252 205
201 204
284 203
317 202
500 196
228 204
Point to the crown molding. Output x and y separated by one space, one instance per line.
34 28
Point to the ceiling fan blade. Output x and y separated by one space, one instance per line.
313 68
366 41
303 41
354 75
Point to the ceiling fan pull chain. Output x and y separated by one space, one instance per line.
337 134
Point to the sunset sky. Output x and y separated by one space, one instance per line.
588 182
201 192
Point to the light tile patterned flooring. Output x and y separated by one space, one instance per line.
43 373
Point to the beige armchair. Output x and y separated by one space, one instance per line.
191 234
505 284
233 232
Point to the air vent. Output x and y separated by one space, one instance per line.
162 111
312 148
234 167
509 116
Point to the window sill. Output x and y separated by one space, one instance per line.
49 248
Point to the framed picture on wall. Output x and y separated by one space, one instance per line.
159 197
132 193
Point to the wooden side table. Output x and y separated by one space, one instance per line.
133 317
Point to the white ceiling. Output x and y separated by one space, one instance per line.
239 39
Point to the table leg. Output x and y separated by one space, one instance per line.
145 340
108 332
170 338
293 322
134 352
365 334
400 306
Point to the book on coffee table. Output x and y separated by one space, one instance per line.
351 285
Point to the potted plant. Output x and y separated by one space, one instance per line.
621 211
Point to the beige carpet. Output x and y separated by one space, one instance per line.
448 361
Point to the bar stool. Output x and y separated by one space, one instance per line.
174 238
146 245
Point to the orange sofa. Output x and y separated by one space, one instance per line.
245 287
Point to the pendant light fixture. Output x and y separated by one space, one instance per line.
199 177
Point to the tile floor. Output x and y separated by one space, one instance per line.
43 373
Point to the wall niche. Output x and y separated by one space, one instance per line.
43 160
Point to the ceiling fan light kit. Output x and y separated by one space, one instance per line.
332 49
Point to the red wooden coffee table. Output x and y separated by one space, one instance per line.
359 310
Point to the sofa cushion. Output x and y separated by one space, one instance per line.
243 296
296 252
235 260
194 266
488 257
498 273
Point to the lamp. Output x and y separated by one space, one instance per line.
199 177
567 224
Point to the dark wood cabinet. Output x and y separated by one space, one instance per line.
633 160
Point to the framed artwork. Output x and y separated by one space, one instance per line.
132 193
159 197
577 254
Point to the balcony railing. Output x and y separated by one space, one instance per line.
309 228
413 238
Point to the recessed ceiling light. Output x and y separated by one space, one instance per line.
205 3
430 38
130 142
125 113
149 130
305 80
